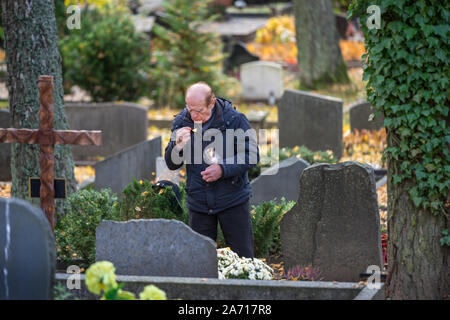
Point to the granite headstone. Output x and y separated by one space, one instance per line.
27 252
280 180
360 113
335 225
261 79
311 120
156 247
122 125
118 170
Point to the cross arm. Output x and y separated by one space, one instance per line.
78 137
11 135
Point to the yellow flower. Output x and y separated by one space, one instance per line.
152 292
100 276
140 181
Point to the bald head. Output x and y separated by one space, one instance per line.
200 101
200 90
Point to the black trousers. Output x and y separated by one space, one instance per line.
235 223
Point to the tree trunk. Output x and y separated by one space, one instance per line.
31 44
419 267
319 55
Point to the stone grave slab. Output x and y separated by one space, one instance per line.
312 120
359 117
335 225
27 252
118 170
156 247
261 79
122 125
280 180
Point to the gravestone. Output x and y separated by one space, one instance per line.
280 180
5 149
164 173
27 252
261 79
122 125
359 117
311 120
118 170
335 225
156 247
238 56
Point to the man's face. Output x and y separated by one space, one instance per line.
197 107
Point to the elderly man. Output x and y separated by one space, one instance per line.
218 189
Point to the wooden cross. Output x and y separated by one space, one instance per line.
47 137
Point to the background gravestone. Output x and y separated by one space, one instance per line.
138 162
280 180
335 225
156 247
260 78
122 126
359 117
5 149
27 252
312 120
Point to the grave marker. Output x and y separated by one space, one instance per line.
335 225
261 79
27 252
47 137
137 161
311 120
156 247
280 180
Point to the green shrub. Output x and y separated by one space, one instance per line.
266 219
106 57
75 231
142 201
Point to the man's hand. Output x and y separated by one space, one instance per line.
182 137
212 173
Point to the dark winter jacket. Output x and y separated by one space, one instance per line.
233 188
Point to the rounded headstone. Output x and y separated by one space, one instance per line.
27 252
